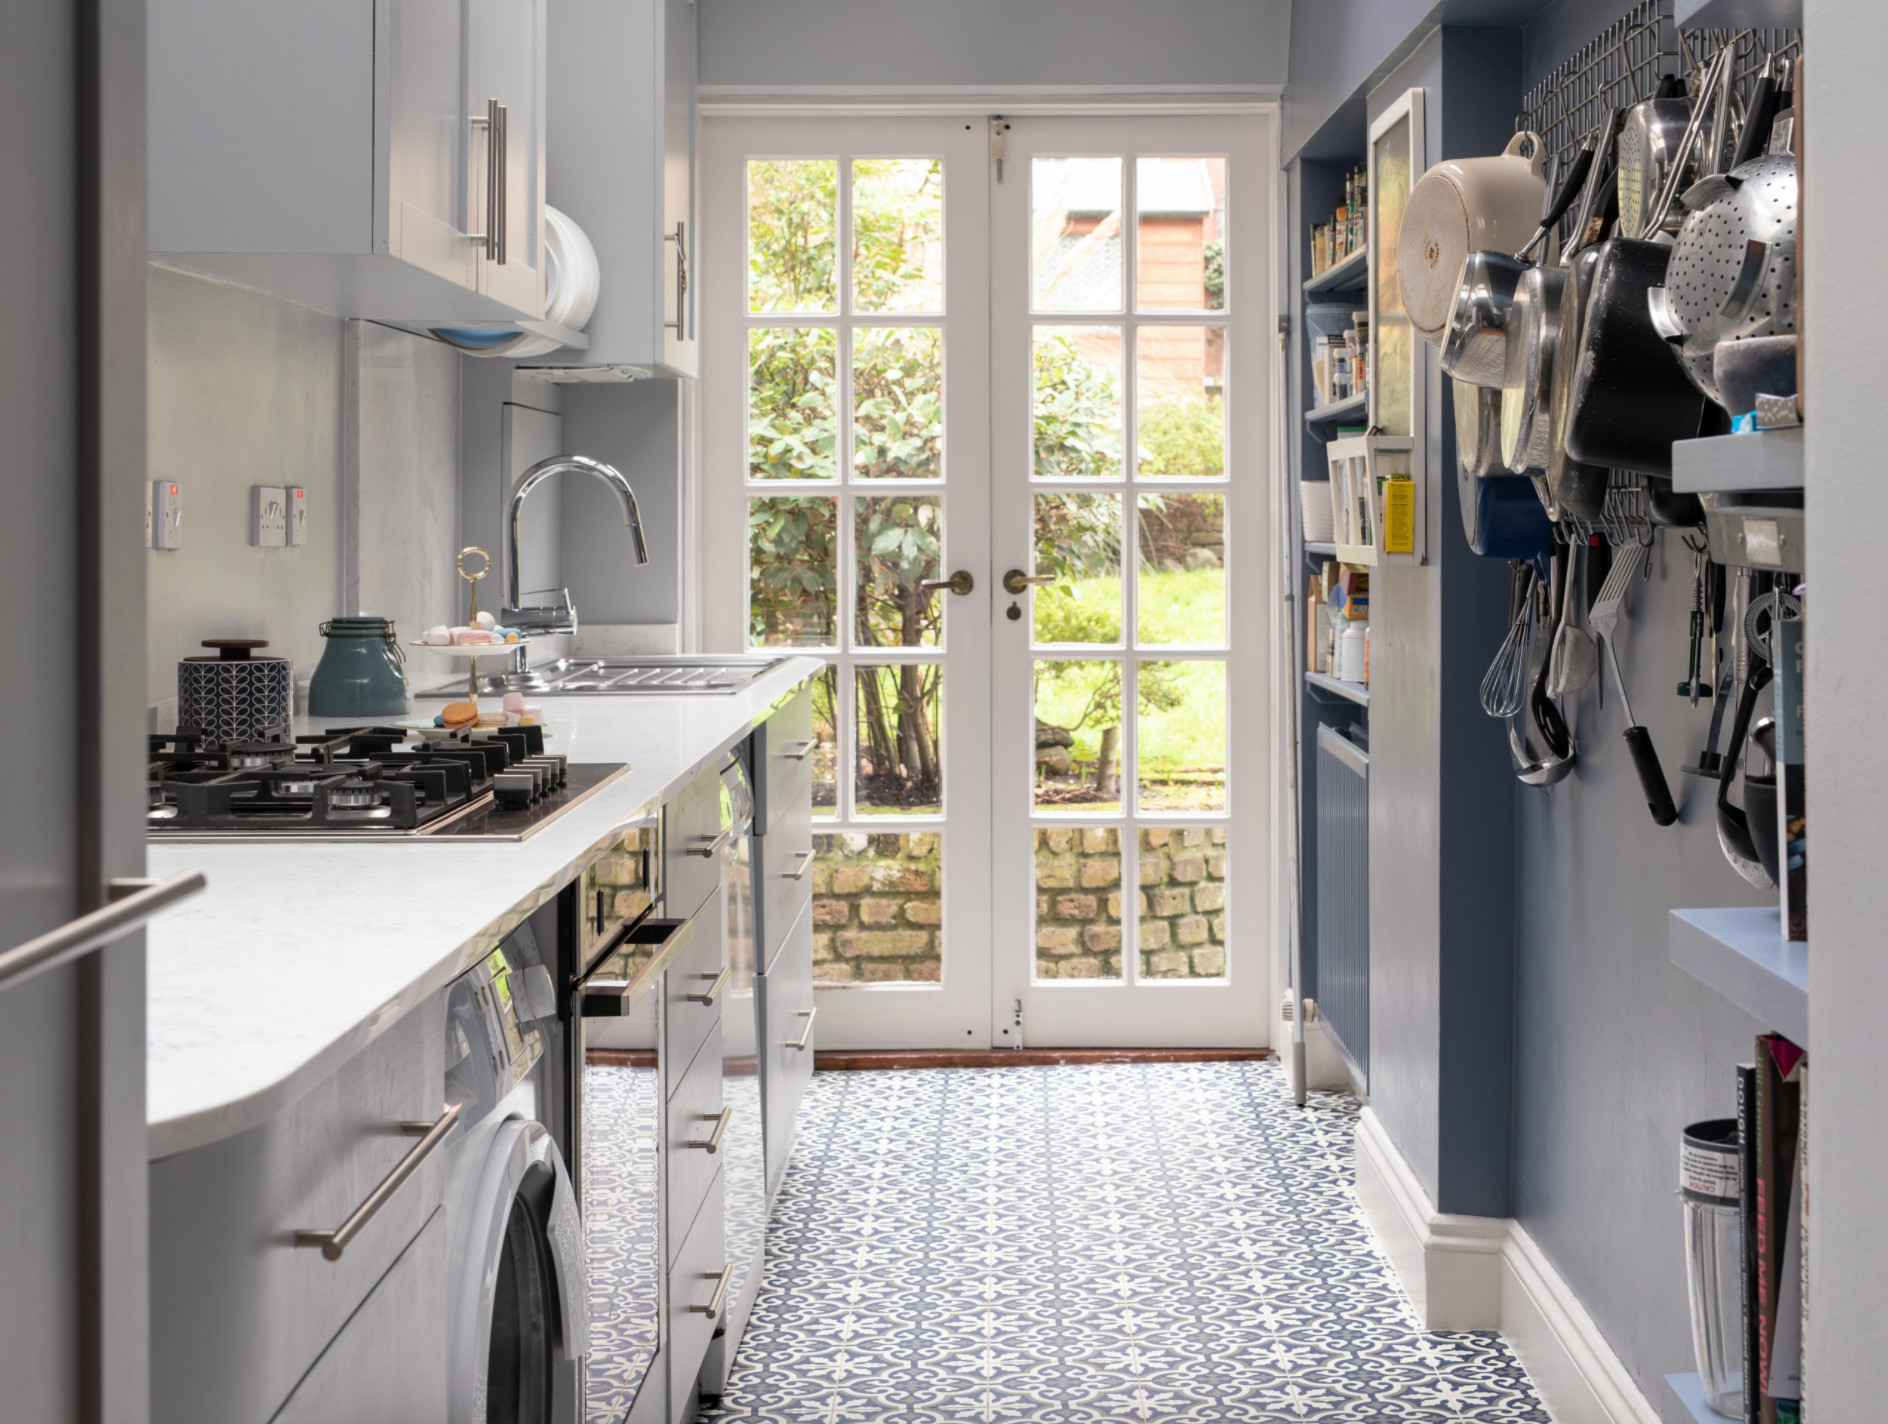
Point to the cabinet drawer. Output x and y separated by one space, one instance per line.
783 759
694 976
388 1364
238 1311
786 1023
690 824
693 1113
783 875
697 1281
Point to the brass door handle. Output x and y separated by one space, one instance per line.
1018 582
959 583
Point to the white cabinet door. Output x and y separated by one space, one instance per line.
422 88
505 47
388 1364
679 337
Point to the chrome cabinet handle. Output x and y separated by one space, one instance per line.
801 750
806 864
1016 581
711 1144
723 1276
133 901
492 121
713 847
804 1041
430 1134
500 222
714 991
959 583
680 238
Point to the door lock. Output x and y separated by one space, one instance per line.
959 583
1016 581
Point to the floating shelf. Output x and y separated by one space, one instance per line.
1358 692
1315 546
1762 460
1330 414
1741 954
1684 1402
1351 273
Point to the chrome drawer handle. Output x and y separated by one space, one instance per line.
715 846
714 990
804 1041
801 751
806 864
711 1144
721 1277
430 1134
133 901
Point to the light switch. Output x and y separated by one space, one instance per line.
167 515
297 517
268 516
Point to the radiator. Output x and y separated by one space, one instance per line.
1343 948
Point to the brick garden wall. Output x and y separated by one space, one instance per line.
878 906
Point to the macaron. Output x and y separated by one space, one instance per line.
458 714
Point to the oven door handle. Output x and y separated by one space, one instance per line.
598 997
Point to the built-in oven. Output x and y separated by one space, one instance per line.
622 951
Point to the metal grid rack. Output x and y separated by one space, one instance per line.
1622 65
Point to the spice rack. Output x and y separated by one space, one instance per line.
1377 506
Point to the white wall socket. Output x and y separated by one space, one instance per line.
297 517
167 514
268 516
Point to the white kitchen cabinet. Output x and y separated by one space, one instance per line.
345 155
621 156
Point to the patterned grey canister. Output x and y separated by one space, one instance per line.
234 697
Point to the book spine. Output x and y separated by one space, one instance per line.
1747 1224
1777 1096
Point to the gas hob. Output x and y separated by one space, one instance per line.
364 783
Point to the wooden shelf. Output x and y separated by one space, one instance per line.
1741 954
1358 692
1761 460
1684 1402
1338 410
1349 275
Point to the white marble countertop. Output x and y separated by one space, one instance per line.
298 954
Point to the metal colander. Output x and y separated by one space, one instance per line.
1732 274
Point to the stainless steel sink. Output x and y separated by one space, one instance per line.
628 676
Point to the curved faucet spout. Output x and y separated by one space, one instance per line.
557 465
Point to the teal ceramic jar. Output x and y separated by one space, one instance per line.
362 672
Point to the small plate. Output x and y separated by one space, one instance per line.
472 650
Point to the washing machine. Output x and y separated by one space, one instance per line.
516 1307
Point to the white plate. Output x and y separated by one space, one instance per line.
472 650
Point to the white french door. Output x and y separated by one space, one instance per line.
1036 823
845 456
1130 371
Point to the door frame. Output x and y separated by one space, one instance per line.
715 606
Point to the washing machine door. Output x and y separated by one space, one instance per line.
517 1312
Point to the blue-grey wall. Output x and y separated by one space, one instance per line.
1616 1050
993 44
1442 844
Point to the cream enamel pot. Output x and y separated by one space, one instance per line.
1459 206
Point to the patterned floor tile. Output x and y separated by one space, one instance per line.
1090 1244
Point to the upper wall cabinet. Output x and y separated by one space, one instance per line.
375 158
622 165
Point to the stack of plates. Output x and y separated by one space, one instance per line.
1314 500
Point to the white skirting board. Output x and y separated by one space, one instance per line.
1486 1273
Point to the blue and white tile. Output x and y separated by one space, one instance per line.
1107 1244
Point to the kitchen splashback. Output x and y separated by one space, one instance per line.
247 389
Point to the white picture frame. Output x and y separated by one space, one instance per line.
1399 361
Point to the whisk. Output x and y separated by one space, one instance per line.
1504 689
